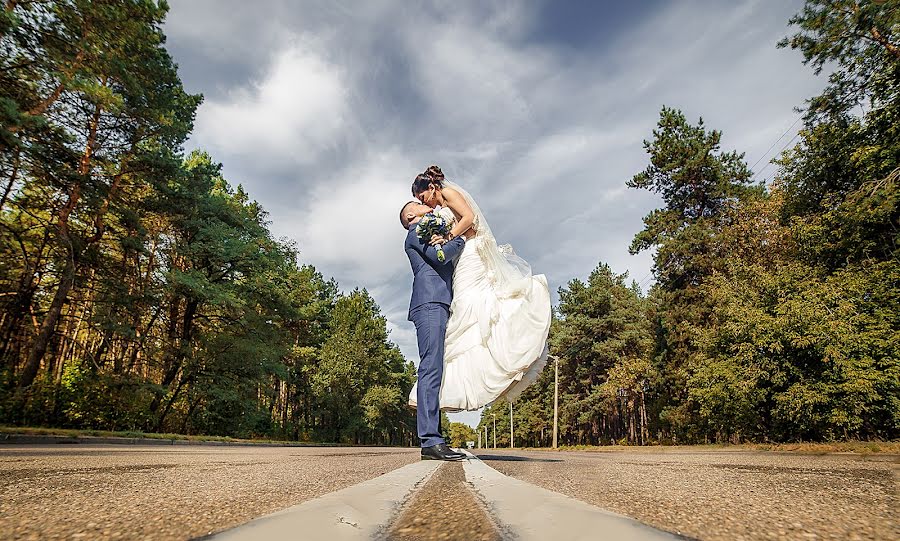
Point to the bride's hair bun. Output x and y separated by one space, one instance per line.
436 174
432 175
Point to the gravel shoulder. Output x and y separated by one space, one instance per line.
168 492
726 495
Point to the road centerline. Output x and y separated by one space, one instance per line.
534 513
358 512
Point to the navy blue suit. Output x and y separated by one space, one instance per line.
429 310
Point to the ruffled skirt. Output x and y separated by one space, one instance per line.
494 347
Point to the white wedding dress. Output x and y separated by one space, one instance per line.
496 342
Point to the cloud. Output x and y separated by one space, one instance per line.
326 113
352 220
475 85
294 112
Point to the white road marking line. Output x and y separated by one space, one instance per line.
530 512
361 511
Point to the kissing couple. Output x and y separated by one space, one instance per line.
481 317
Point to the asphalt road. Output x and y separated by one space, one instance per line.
168 492
726 495
179 492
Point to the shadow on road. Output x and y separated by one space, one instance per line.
514 458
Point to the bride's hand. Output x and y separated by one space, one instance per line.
437 239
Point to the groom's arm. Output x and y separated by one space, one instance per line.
452 250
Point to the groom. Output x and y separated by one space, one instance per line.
429 310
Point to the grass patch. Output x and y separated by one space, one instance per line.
856 447
75 434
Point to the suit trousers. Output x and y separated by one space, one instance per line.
430 320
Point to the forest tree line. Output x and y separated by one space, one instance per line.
775 315
140 291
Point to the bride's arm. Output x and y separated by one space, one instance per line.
457 202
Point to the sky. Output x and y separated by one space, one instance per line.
325 111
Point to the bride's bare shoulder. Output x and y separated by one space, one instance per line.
456 199
454 194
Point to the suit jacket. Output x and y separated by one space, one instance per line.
432 278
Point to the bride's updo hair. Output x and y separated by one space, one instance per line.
436 174
432 175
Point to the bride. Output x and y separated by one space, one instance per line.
496 342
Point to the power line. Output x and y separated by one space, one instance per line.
779 152
766 153
646 279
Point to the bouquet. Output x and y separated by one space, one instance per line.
433 224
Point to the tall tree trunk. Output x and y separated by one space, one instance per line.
69 336
307 419
142 339
67 279
179 351
187 416
285 405
15 314
137 316
48 326
645 429
105 340
20 307
632 429
162 417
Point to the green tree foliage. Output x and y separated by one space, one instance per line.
798 352
361 379
460 433
775 313
699 184
790 333
110 97
141 291
859 39
604 342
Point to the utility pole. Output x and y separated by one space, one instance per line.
555 400
479 439
512 438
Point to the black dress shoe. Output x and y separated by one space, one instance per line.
441 452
